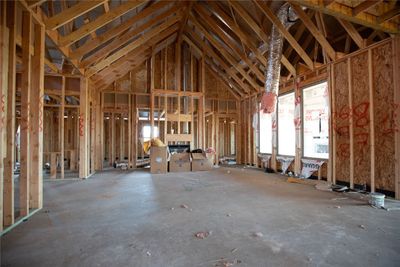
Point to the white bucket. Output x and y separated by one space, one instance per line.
377 200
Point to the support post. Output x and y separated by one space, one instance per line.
36 138
84 129
25 165
8 193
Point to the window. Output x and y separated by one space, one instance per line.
265 132
146 132
315 121
286 129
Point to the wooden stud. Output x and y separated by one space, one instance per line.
36 120
25 164
396 76
371 118
84 129
351 124
8 188
62 124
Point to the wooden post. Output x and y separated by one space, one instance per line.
8 195
152 71
92 133
24 177
84 129
134 137
330 157
396 60
129 140
112 139
53 165
333 122
371 118
62 124
99 131
351 124
36 138
4 49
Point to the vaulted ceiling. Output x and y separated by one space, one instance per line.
104 39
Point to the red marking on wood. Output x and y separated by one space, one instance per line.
3 110
41 113
81 125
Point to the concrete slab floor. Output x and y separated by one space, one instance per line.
119 218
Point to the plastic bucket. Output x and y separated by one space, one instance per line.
377 200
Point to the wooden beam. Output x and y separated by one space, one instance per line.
220 61
282 29
345 12
108 35
351 30
71 13
36 135
389 15
84 129
227 39
364 6
25 165
138 42
123 39
99 22
8 195
244 37
226 54
35 3
314 31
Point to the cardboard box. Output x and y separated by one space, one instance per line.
179 162
200 162
158 159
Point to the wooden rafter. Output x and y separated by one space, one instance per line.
228 57
71 13
228 40
210 52
134 60
138 42
342 11
300 30
364 6
353 33
40 17
296 46
99 22
315 32
246 40
108 35
389 15
257 29
126 37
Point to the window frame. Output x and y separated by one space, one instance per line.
259 134
277 124
302 120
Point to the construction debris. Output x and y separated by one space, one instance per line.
202 235
258 234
